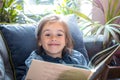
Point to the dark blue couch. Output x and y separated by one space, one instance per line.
20 41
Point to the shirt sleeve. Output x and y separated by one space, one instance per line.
28 61
80 59
32 56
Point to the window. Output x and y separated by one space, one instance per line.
38 6
44 6
41 7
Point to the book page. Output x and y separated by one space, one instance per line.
103 56
101 68
41 70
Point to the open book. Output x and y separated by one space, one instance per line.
41 70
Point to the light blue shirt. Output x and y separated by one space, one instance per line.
74 58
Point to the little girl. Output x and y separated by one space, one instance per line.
55 43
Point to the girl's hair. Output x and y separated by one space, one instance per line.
52 19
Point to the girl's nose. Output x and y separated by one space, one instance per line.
53 38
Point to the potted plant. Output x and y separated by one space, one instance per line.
111 27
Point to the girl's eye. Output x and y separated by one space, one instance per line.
59 34
47 34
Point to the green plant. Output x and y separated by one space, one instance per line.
11 12
60 6
111 29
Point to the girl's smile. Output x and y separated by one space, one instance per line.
54 44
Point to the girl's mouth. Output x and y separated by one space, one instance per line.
53 44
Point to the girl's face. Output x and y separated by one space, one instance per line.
53 39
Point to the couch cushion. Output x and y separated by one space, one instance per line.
21 42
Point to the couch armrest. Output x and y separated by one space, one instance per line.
93 46
5 68
3 75
2 69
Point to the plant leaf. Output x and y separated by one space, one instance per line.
80 14
114 6
106 36
99 31
111 20
115 25
114 34
86 26
115 29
